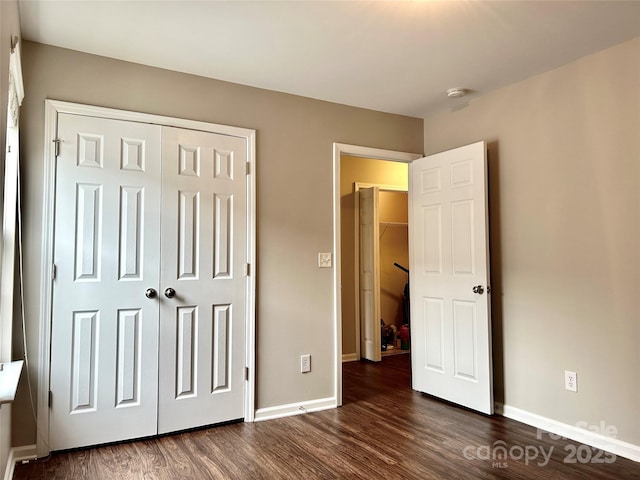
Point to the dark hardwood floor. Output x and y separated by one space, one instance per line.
384 430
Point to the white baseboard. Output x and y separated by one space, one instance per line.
350 357
295 409
19 454
573 432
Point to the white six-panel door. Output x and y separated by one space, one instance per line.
141 209
203 260
449 265
104 333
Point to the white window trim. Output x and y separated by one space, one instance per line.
9 179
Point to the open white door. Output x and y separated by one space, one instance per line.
449 264
369 275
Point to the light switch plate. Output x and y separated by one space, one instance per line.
324 260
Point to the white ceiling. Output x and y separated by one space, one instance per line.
390 56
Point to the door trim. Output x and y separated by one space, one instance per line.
340 149
52 109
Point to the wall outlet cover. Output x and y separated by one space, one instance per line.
571 381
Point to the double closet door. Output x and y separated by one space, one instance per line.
148 314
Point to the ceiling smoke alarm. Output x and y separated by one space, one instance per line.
456 92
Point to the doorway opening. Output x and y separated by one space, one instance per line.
450 323
392 171
381 257
393 222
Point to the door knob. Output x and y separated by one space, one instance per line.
151 293
169 292
479 289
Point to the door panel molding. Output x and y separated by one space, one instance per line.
47 270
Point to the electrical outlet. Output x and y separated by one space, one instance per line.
305 363
324 260
571 381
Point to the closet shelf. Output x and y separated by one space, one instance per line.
393 224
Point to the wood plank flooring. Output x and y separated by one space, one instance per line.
384 430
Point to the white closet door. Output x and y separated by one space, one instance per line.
370 343
204 252
104 337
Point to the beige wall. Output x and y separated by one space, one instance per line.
394 206
362 170
9 28
565 235
295 139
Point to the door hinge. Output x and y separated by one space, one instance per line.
248 169
50 398
246 373
53 271
57 143
247 269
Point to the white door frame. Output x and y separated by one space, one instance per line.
356 255
52 109
340 149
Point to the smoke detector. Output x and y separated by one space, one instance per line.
456 92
